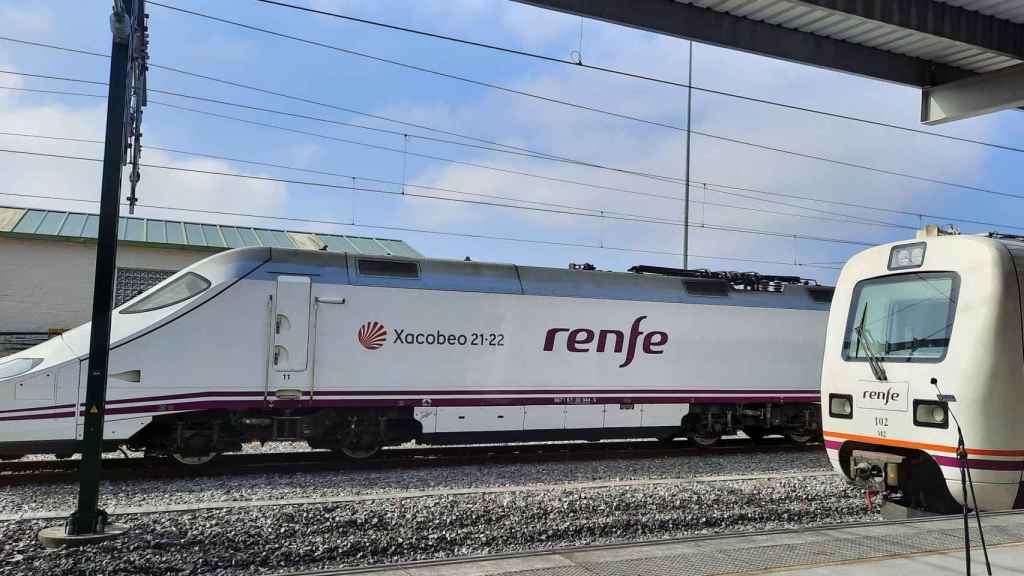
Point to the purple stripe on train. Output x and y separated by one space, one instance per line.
975 464
417 399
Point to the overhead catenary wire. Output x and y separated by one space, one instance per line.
725 228
416 154
717 187
845 217
462 192
477 165
423 69
876 208
527 201
269 92
491 167
354 142
580 106
497 143
578 63
844 163
372 226
867 207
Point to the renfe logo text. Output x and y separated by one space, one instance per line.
885 397
583 340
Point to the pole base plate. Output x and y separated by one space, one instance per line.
55 536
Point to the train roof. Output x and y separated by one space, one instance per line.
488 277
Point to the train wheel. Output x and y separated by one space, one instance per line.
358 452
800 437
706 440
357 438
195 459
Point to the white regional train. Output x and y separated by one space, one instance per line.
910 321
352 353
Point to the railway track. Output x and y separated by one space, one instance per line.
53 471
123 511
780 549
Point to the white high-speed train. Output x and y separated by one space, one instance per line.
352 353
910 321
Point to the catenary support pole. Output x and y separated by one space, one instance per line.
686 194
88 518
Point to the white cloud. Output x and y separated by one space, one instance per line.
28 19
41 176
616 142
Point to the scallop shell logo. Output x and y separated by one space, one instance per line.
372 335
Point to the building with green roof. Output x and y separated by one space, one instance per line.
47 262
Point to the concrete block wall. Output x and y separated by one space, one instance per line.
47 284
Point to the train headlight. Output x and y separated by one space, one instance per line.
892 474
907 256
840 406
931 414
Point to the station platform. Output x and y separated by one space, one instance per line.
929 546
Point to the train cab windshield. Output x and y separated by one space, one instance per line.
902 318
183 288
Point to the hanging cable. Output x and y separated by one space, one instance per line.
476 194
721 188
619 72
659 177
851 218
419 230
614 71
417 68
719 227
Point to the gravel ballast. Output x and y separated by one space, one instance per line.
261 540
26 498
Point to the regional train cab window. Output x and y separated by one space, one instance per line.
904 318
180 289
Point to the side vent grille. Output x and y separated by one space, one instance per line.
389 268
821 293
707 287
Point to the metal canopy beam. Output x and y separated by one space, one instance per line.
936 19
999 90
722 29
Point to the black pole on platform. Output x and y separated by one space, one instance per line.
88 518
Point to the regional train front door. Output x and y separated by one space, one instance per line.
288 376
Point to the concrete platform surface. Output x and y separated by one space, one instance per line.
932 547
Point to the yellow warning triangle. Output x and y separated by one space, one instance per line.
93 410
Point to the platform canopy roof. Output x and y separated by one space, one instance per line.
966 55
59 224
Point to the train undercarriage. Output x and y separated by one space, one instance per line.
359 433
705 424
197 437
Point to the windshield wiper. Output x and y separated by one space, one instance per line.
873 360
917 343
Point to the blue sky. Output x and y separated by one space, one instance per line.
244 56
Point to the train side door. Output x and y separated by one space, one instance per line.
289 377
